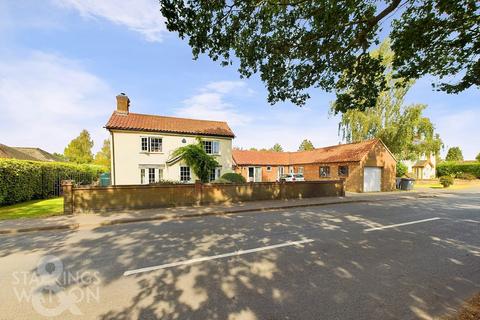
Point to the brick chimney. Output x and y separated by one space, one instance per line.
123 103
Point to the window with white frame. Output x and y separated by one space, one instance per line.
215 173
300 170
151 144
269 168
144 144
211 147
155 144
150 175
184 174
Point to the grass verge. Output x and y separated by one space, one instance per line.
32 209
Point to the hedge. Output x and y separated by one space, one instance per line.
234 177
454 168
22 180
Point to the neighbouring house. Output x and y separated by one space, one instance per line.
423 168
142 146
366 166
26 153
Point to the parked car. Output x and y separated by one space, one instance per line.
292 177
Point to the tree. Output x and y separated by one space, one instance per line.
297 45
60 157
195 157
454 154
103 156
478 157
306 145
79 150
403 129
277 148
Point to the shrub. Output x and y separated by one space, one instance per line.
234 177
401 169
453 168
22 180
465 176
446 181
221 180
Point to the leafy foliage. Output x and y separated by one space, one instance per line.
465 176
79 150
453 168
297 45
446 181
26 180
454 154
306 145
197 159
403 129
401 169
277 148
103 156
234 177
478 157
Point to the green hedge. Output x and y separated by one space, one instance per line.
22 180
454 168
234 177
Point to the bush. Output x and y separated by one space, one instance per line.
465 176
22 180
234 177
401 169
221 180
446 181
453 168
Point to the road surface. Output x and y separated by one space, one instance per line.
406 259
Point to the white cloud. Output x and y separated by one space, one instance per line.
210 103
46 100
141 16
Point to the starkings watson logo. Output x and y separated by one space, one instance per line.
52 290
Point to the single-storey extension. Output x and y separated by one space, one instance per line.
366 166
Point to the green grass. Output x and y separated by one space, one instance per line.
32 209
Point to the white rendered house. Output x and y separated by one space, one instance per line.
142 146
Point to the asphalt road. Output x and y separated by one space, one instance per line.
409 259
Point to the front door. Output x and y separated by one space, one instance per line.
251 174
258 174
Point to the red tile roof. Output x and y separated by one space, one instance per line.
152 123
340 153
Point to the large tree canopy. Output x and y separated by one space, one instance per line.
405 131
300 44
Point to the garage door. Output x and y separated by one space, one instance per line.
372 179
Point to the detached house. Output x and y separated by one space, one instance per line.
366 166
142 145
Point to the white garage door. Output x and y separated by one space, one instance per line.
372 179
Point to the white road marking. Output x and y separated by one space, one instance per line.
400 224
219 256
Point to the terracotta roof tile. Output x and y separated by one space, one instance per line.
153 123
340 153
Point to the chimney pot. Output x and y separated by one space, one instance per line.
123 103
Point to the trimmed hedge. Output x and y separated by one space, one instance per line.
234 177
454 168
22 180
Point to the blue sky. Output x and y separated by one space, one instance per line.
63 61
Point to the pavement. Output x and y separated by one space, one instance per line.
416 257
82 221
